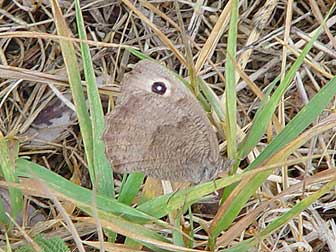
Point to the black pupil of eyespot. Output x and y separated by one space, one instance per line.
159 88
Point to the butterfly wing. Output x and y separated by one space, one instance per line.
167 143
164 133
125 135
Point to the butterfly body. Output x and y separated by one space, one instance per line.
159 128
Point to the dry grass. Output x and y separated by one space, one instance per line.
36 106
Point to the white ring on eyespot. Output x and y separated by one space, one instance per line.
151 81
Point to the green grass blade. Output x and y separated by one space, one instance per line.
212 99
264 114
177 236
130 188
182 199
3 217
120 218
77 194
138 54
72 69
230 87
297 209
7 168
301 121
102 168
245 245
226 218
283 219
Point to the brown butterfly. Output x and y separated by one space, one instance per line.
159 128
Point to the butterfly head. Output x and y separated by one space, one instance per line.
152 79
